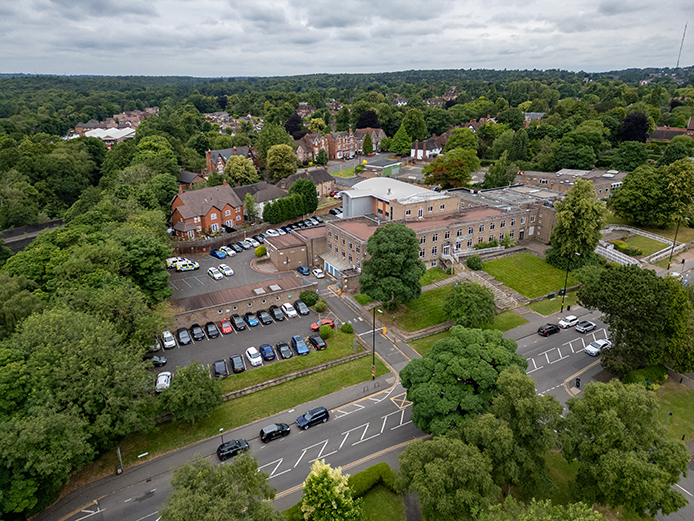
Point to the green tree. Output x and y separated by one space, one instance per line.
452 479
5 252
415 125
317 125
570 155
192 394
643 197
629 156
519 146
512 510
144 264
438 120
240 171
392 272
342 119
458 377
234 491
579 219
270 136
500 173
327 496
322 157
462 138
679 177
367 146
624 455
452 169
402 142
470 305
250 206
156 154
281 162
513 117
306 190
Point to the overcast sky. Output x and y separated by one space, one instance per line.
213 38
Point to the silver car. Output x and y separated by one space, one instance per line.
163 381
594 348
168 340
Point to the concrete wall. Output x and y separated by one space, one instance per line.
288 258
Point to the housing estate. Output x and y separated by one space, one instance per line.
207 209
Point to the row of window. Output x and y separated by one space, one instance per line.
446 249
471 230
337 238
420 212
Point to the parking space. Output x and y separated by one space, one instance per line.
554 355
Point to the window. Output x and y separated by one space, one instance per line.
501 236
191 233
214 227
350 258
543 181
330 246
408 213
423 239
420 212
198 228
469 243
238 217
433 263
213 216
422 253
513 222
491 226
471 230
532 218
522 220
237 210
380 212
434 250
196 219
446 250
491 237
435 237
447 235
350 244
503 224
358 247
343 254
357 263
430 209
343 240
459 232
442 207
227 212
480 239
336 249
329 232
511 234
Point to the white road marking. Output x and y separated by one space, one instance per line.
273 474
129 499
685 490
364 434
148 515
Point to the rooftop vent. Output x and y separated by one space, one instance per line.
259 291
275 287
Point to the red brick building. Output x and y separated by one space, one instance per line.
208 209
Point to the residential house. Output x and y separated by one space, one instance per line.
429 148
666 133
532 116
377 135
399 101
325 183
474 124
334 106
308 146
262 192
341 145
450 94
435 102
305 110
208 209
187 179
217 159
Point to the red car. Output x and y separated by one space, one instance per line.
322 322
225 326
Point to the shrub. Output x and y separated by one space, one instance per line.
474 262
623 247
347 328
363 298
309 298
363 481
260 251
483 245
507 242
654 373
320 306
325 331
391 306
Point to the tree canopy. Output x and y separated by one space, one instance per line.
470 305
240 171
327 496
452 169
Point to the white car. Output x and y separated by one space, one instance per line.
289 310
318 273
228 251
253 242
254 356
594 348
168 340
171 261
280 231
569 321
186 265
163 381
225 269
215 274
272 233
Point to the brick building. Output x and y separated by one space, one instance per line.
603 181
217 159
207 209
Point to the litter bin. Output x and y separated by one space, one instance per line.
551 295
568 308
119 469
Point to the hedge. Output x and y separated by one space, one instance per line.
325 331
623 247
347 328
320 306
474 262
654 373
309 297
260 251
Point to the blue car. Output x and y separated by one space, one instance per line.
267 352
251 319
220 254
299 345
287 229
303 270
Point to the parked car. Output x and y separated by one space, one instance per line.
303 270
271 233
301 308
259 238
163 381
253 242
197 333
323 322
187 265
220 369
335 211
183 336
254 357
289 310
235 246
548 329
251 319
283 350
318 273
317 342
276 313
239 324
171 261
299 345
211 329
215 273
224 268
231 448
168 340
569 321
313 221
220 254
281 231
264 317
319 220
267 352
595 348
228 251
225 326
156 346
585 326
237 364
287 229
313 417
244 245
274 431
159 361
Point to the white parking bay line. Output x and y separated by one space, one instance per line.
684 490
535 365
186 283
560 357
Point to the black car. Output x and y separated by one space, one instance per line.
237 364
335 211
317 342
158 361
276 313
319 219
274 431
259 238
301 224
264 317
283 350
238 323
211 330
235 246
548 329
250 319
301 308
313 417
197 333
231 448
183 336
220 369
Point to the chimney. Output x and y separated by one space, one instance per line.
180 189
224 182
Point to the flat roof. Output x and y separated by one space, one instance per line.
381 163
284 241
311 233
387 189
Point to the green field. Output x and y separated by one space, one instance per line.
380 504
363 298
433 275
423 345
346 172
679 400
646 245
424 312
528 275
548 307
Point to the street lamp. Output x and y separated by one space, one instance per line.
674 241
566 280
221 430
373 345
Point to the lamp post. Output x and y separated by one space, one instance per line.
221 431
674 241
373 345
566 280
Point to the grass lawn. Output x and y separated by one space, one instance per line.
432 276
685 234
646 245
678 399
363 298
424 312
423 345
528 275
235 413
548 307
346 172
506 320
380 504
339 345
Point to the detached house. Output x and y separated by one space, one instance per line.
307 147
196 212
325 183
217 159
341 144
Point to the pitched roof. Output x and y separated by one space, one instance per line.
318 175
189 177
226 153
199 202
261 192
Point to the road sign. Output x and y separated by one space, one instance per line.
373 371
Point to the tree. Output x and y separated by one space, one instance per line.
579 219
519 146
500 173
294 125
634 128
241 171
402 142
327 496
342 119
452 169
5 252
306 189
513 117
452 479
512 510
234 491
270 136
281 162
367 146
570 155
458 377
643 197
392 272
438 120
624 455
193 394
317 125
679 177
470 305
674 152
415 125
322 157
156 154
462 138
250 206
368 119
630 155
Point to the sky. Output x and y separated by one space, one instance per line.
224 38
